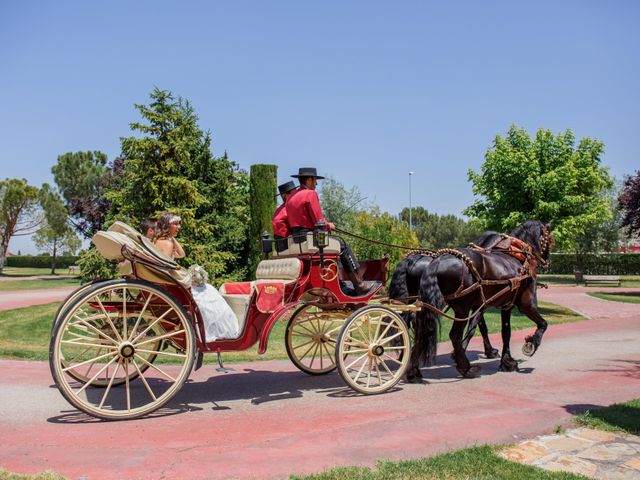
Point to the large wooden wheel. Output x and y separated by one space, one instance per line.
311 338
373 350
103 346
79 373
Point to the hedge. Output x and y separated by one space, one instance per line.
596 263
39 261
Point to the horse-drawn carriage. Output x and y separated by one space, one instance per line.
123 348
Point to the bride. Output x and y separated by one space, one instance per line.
219 319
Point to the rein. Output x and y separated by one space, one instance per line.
425 251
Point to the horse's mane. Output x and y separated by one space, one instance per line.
530 231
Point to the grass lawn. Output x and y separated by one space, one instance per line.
626 297
25 332
52 282
623 417
29 272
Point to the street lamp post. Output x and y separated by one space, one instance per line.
410 219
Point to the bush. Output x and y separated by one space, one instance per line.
93 266
596 263
40 261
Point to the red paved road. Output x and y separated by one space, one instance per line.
26 298
268 420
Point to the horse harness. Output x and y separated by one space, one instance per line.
518 249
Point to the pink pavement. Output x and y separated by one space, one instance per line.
26 298
267 420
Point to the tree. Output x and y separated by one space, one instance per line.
339 205
440 231
263 185
56 233
82 178
20 212
629 203
547 178
381 227
169 166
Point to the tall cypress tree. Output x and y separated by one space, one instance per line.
262 202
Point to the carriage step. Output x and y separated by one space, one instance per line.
222 368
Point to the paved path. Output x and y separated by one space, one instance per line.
26 298
35 277
267 420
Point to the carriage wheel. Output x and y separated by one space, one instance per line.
311 338
109 337
79 373
373 350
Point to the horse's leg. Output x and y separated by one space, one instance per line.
456 334
507 363
528 305
489 351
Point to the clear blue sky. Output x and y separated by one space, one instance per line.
365 91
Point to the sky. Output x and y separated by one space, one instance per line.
366 91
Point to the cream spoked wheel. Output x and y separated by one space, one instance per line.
103 348
82 374
373 350
311 338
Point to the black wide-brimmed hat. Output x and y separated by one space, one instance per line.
307 172
286 187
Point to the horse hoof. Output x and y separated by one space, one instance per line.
493 353
472 372
414 378
509 366
529 349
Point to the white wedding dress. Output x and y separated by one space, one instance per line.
219 320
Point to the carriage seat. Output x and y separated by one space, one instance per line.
109 243
238 294
307 248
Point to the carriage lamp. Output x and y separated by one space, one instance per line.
266 243
320 237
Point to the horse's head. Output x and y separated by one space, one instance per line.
538 235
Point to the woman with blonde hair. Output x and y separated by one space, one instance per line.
219 320
167 228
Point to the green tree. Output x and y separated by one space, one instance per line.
168 165
20 212
440 231
81 177
55 235
381 227
263 185
339 205
548 178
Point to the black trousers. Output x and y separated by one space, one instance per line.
348 259
281 243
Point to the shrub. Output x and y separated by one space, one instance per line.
596 263
40 261
93 266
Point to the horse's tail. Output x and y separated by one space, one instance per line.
427 321
399 287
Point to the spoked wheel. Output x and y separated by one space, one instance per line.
311 338
103 347
373 350
79 373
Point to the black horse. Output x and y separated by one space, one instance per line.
405 284
501 273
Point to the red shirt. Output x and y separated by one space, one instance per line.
279 222
303 209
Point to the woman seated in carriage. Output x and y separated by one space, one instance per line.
218 317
